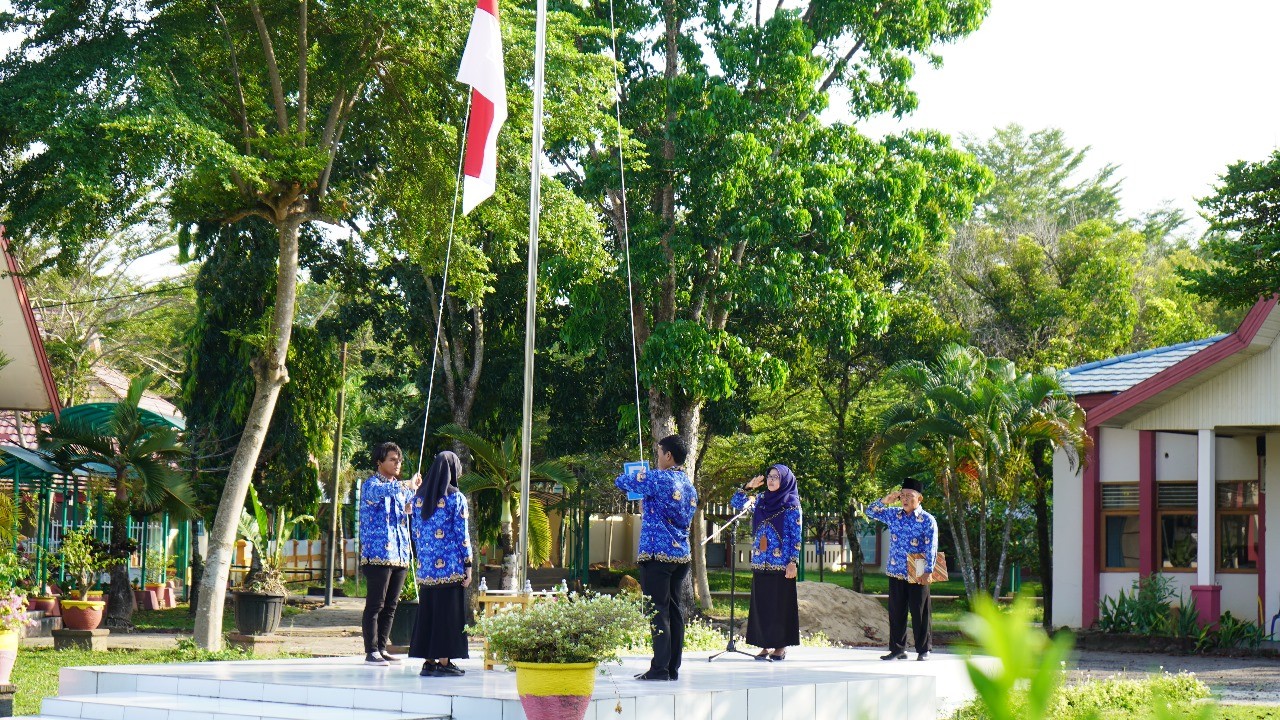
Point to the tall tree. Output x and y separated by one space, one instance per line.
1243 244
740 196
294 113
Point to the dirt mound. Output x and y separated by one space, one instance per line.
842 615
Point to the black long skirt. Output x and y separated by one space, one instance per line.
774 621
438 630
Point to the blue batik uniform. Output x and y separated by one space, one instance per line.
384 522
669 504
769 550
909 533
444 545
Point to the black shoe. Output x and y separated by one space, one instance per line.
374 658
763 656
654 675
388 656
894 656
923 656
673 675
451 669
430 668
778 658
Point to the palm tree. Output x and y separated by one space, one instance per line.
976 421
494 485
140 456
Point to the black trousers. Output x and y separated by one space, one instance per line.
660 582
385 583
907 597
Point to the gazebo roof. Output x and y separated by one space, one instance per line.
98 414
35 465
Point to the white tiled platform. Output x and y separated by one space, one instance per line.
823 684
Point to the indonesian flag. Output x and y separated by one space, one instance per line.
482 70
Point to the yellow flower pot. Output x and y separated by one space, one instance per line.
8 654
555 691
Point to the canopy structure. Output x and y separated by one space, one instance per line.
98 414
26 382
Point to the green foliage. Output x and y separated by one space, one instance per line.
1026 682
12 572
156 570
576 629
1159 697
1147 611
1243 241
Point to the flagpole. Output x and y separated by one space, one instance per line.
530 308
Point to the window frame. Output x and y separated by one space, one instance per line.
1102 530
1161 513
1244 511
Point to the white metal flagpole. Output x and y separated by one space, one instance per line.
530 310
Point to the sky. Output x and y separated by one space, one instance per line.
1171 91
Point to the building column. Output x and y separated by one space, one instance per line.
1147 501
1208 596
1091 514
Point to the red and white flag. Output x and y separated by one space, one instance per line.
482 69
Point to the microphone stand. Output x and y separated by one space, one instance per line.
733 580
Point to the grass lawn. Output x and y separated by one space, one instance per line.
178 619
36 673
1247 712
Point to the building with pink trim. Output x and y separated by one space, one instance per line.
1182 474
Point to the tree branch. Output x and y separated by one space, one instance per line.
273 69
235 73
302 68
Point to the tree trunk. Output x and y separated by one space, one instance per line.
702 584
1044 544
857 567
270 374
120 600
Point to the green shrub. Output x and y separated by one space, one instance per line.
1110 699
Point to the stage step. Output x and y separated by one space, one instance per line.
162 706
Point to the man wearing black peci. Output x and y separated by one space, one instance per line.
912 531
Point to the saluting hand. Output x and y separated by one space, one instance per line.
755 482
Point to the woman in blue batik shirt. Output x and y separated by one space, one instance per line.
774 622
384 548
444 568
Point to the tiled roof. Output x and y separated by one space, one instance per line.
1118 374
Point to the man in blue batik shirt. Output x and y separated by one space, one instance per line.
912 531
667 510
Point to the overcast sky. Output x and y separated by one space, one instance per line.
1171 91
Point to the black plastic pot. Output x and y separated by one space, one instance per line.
258 613
402 625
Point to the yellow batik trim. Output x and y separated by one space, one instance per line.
662 557
380 561
454 578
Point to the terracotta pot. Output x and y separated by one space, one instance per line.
48 604
82 614
555 691
8 654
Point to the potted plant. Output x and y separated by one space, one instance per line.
555 646
41 596
260 601
406 612
84 557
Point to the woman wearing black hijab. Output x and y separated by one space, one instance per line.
444 568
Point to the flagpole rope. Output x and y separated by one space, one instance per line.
626 227
444 281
